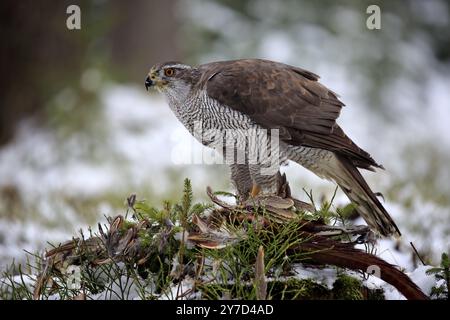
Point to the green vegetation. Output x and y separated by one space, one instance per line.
442 275
149 253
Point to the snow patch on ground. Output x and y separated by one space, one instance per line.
324 276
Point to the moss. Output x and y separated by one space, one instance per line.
295 289
373 294
347 288
344 288
350 288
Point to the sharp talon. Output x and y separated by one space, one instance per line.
256 189
379 194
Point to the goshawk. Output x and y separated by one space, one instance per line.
253 111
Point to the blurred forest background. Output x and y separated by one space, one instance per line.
79 133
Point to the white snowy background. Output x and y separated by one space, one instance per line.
61 181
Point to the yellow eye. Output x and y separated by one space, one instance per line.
169 72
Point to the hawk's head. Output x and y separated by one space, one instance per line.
171 77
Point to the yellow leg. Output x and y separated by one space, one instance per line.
256 189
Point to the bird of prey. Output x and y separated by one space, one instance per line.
283 101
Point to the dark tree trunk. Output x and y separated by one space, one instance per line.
40 56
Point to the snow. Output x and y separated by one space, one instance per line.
325 276
424 281
140 141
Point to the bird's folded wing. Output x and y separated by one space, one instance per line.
273 94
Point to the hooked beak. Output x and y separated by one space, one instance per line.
148 82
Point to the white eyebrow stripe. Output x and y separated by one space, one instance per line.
178 66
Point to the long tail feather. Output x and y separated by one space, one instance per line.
358 191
